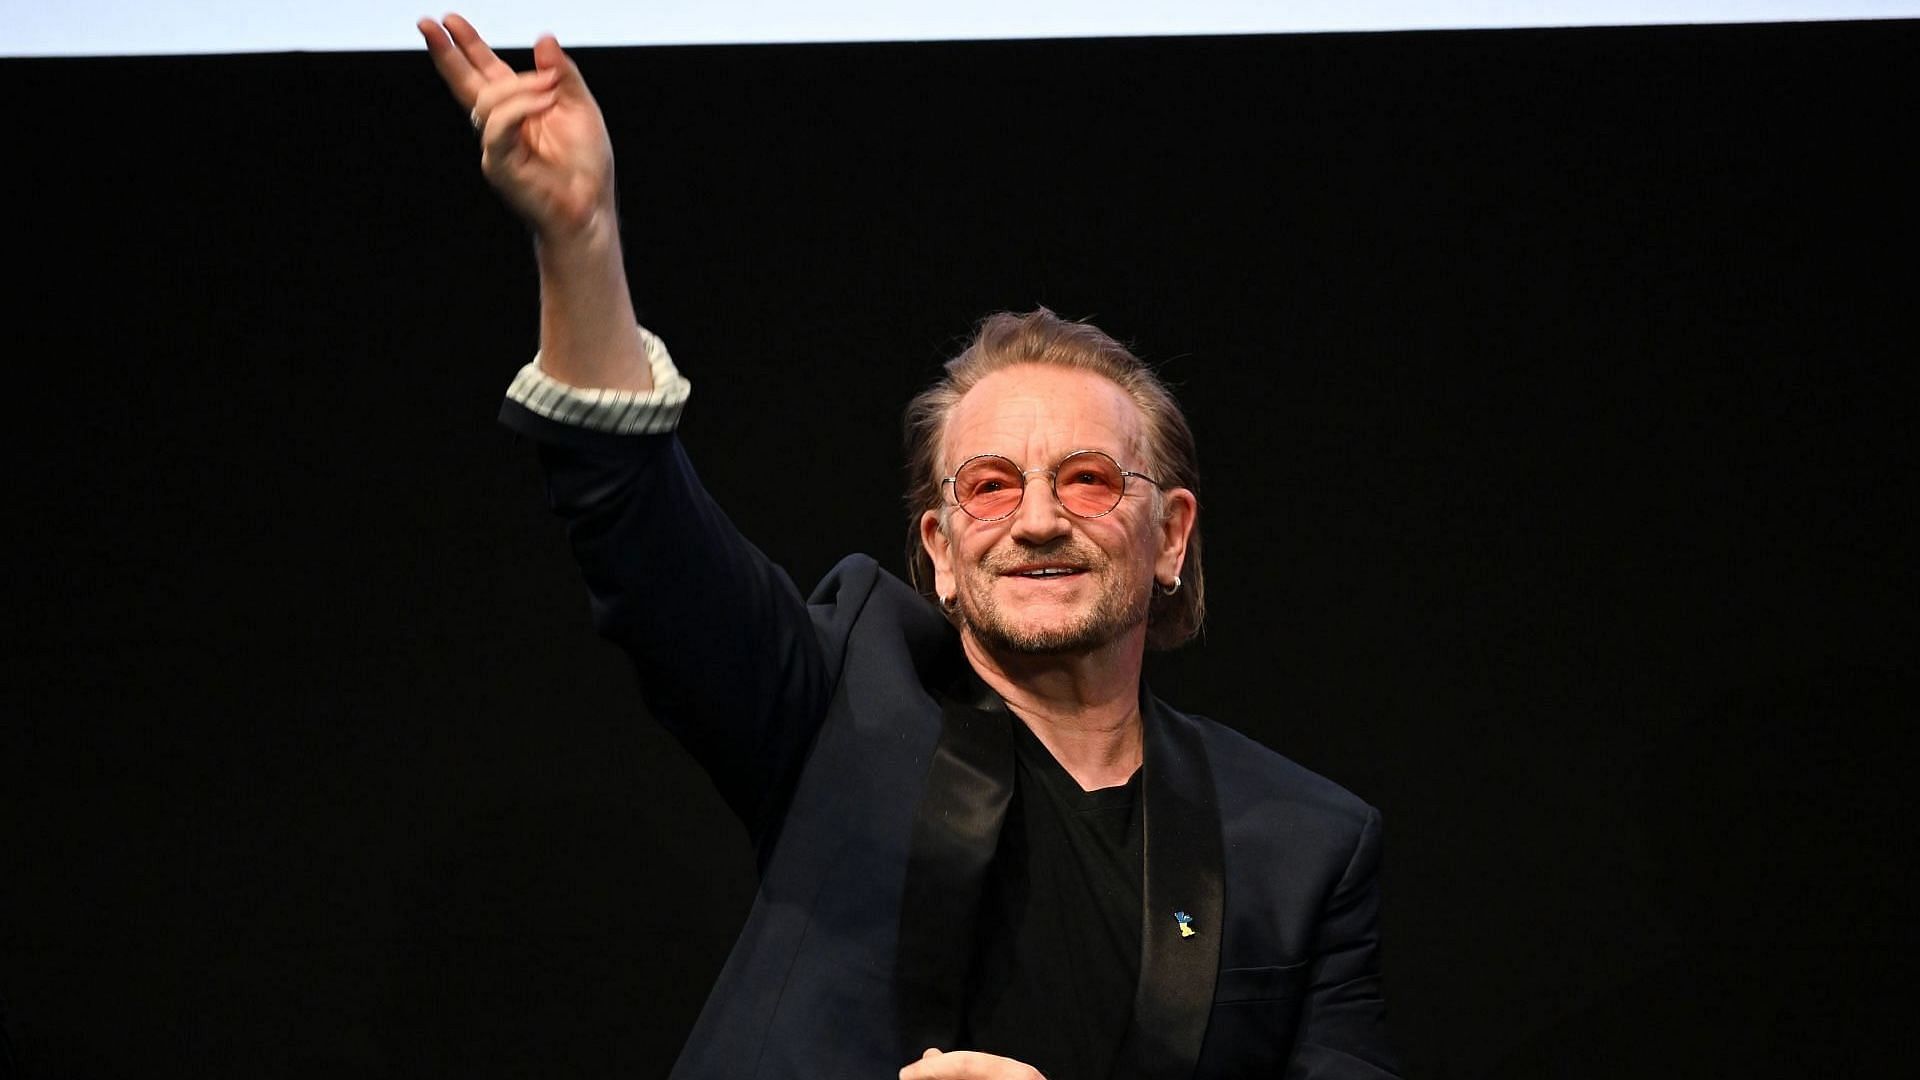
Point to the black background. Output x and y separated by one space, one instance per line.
1553 397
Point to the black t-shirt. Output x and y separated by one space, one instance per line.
1058 952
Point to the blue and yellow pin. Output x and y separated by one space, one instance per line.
1186 923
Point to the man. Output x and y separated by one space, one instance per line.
984 850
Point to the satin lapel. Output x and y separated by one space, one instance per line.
1182 857
956 830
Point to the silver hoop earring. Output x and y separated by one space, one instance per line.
948 603
1169 590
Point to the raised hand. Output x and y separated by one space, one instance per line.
543 142
544 145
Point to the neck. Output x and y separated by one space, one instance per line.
1084 707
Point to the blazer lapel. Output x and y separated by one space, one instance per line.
1182 865
956 830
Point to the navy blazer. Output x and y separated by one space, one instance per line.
872 772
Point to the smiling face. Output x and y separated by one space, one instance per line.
1043 581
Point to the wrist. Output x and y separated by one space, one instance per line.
586 245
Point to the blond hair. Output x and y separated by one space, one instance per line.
1005 340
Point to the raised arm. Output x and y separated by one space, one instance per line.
544 145
729 656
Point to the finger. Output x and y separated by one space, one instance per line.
969 1065
549 56
454 67
477 52
492 94
921 1070
547 53
502 130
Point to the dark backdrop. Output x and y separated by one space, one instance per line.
1553 399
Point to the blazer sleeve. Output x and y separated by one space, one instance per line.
1343 1027
726 651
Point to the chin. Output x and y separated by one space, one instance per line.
1071 634
1040 640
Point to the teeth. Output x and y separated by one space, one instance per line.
1047 572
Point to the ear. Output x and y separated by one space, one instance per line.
1182 510
939 548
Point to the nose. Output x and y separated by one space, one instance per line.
1040 517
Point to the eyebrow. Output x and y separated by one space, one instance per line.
1141 468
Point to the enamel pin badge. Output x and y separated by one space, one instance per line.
1186 923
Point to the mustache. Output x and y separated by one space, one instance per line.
1002 561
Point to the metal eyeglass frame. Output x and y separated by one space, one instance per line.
951 493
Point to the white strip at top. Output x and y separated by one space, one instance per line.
145 27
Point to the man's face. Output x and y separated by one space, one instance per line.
1044 581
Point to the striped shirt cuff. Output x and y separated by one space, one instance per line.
620 412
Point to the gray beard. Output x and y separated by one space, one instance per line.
1112 615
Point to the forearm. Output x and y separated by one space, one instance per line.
725 650
722 642
587 335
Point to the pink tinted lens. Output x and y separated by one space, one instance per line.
987 487
1089 484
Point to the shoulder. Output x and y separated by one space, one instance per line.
1291 839
860 606
858 580
1251 777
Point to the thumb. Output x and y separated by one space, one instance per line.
547 55
931 1053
